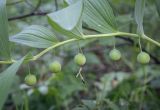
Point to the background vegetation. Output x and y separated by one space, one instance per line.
122 85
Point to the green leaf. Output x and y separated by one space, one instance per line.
69 2
157 2
91 104
99 15
80 108
112 105
139 14
92 58
4 40
68 20
6 80
35 36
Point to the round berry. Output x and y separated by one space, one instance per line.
115 55
55 67
30 80
143 58
80 59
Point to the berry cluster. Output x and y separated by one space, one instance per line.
80 60
55 67
142 57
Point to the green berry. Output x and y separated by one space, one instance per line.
30 80
143 58
80 59
55 67
115 55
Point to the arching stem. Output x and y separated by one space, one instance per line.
84 38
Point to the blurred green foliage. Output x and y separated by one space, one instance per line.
109 85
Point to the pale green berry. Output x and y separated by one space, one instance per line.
115 55
30 80
55 67
80 59
143 58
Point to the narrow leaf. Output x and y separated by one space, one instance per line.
139 14
158 6
99 15
91 104
68 20
35 36
6 80
69 2
4 40
112 105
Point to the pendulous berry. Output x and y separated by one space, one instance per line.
30 80
55 67
143 58
80 59
115 55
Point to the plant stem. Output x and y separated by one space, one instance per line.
26 104
52 47
151 40
84 38
7 62
144 87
